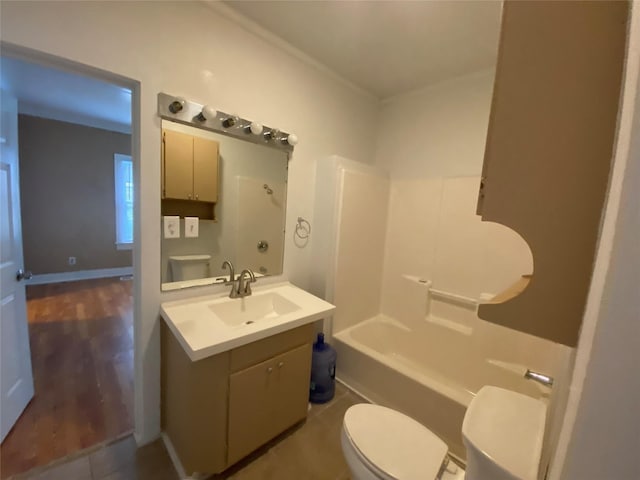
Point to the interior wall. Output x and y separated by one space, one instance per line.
607 430
438 131
68 195
599 427
188 49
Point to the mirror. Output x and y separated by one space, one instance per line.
223 199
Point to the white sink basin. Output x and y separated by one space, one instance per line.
252 309
208 325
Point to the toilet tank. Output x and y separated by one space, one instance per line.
502 432
189 267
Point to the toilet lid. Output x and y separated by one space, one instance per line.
395 444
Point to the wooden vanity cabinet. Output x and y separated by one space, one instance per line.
217 410
190 167
549 150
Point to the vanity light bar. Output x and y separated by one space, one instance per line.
177 109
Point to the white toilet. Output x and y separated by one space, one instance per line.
502 433
189 267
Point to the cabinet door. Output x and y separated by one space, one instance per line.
548 152
205 170
266 399
178 165
251 409
293 373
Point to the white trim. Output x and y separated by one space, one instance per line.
79 275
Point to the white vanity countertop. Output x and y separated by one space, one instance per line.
212 324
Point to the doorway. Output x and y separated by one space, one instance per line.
76 184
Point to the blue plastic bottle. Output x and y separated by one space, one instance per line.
323 371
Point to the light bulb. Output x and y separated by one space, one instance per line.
230 121
256 128
292 139
207 113
177 105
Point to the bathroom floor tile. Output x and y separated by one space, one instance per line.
310 452
121 460
78 469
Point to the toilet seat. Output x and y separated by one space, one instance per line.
392 444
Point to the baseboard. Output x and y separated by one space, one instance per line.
177 464
79 275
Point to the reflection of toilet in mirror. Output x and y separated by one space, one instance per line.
189 267
502 433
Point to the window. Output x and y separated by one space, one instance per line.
124 200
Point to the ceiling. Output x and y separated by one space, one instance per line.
61 95
385 47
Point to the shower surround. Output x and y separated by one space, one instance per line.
396 244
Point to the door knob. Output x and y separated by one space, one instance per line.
23 275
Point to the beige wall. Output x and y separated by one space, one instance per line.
67 195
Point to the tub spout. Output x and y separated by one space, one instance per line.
545 380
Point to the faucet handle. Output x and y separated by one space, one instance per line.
247 285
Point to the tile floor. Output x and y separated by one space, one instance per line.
308 452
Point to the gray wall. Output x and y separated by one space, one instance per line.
67 195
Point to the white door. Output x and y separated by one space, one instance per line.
15 356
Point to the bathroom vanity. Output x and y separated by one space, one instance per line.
235 372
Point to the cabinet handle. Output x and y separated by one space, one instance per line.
280 364
270 369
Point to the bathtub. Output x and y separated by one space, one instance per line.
429 372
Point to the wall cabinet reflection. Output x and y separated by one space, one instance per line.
232 194
190 167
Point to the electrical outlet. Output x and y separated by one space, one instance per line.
72 260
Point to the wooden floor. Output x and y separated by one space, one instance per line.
81 336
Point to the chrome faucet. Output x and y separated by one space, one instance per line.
239 286
545 380
244 288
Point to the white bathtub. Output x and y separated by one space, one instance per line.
430 372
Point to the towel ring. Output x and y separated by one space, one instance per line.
303 228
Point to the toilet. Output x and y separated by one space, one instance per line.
189 267
502 433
